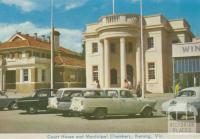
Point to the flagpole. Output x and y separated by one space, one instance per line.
142 49
113 6
52 45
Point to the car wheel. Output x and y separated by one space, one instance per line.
32 110
99 113
66 114
12 106
147 112
86 116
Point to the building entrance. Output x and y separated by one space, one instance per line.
11 79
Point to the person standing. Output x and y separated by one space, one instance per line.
126 84
138 90
177 88
97 84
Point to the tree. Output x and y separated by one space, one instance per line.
83 50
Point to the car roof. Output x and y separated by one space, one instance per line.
197 89
85 89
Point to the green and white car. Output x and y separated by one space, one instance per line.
114 101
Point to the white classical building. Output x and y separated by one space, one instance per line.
113 50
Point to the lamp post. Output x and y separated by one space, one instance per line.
52 46
142 49
3 62
113 6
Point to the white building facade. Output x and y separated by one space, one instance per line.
113 50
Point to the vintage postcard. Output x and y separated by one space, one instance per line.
99 69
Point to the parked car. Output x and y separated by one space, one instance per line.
187 101
116 101
38 100
7 101
62 100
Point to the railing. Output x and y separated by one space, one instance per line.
23 61
120 19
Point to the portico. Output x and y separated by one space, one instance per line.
124 49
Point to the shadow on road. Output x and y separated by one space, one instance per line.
40 112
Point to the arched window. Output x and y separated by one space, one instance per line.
113 74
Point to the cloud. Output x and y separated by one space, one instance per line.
38 5
71 4
69 38
25 5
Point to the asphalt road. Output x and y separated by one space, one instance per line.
19 122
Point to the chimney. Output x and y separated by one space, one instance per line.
56 39
35 36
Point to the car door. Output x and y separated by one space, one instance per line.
43 98
113 102
129 103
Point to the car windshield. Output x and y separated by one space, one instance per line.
59 93
186 93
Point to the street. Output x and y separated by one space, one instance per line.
19 122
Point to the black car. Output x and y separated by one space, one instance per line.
38 100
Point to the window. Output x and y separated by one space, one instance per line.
112 48
126 94
43 75
187 93
95 73
43 94
94 47
112 93
113 76
25 75
150 42
151 71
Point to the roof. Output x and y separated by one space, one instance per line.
61 60
66 56
20 40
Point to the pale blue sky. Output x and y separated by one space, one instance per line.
71 16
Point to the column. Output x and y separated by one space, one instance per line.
138 62
122 60
102 77
106 64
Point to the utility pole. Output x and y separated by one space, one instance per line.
3 63
142 49
113 6
52 45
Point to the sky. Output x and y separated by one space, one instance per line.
71 16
